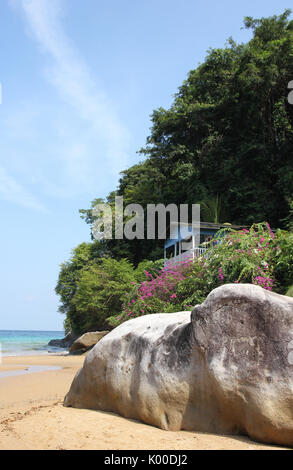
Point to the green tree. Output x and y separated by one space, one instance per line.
225 142
227 137
69 276
100 291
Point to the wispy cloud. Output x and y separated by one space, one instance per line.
101 148
12 191
72 78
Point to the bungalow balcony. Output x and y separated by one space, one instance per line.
185 256
186 241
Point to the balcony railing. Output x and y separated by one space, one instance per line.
187 255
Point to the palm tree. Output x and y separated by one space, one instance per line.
212 209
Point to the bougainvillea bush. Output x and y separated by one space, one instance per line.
258 256
282 261
244 256
156 293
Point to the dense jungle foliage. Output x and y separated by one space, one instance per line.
226 143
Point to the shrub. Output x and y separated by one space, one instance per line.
101 288
243 256
257 256
290 292
156 293
282 260
98 292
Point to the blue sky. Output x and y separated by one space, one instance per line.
80 79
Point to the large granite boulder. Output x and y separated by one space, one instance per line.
86 341
224 368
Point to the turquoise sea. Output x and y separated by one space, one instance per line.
21 343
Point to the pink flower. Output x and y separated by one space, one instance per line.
221 276
270 230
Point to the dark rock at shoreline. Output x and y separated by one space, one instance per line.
226 368
63 343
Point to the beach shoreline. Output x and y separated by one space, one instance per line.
32 416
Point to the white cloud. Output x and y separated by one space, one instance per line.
74 82
12 191
73 145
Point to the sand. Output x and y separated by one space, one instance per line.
32 417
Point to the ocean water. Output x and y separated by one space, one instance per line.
25 343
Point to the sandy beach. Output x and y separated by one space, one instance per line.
32 416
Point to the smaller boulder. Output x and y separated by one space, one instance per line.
87 341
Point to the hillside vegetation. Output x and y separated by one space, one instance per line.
225 143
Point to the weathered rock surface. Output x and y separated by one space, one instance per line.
87 341
224 368
64 342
